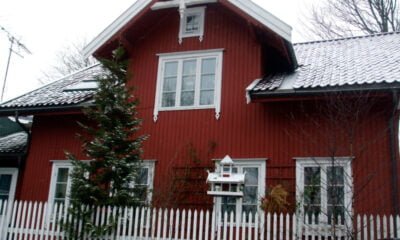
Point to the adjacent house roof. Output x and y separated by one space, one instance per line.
368 61
13 143
248 7
62 93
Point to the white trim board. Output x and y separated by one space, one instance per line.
115 26
250 8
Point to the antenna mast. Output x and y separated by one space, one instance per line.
20 47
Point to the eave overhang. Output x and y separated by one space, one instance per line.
306 93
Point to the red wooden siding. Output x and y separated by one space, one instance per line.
188 140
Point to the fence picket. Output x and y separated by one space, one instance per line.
201 223
398 226
268 227
153 222
225 225
274 228
256 236
244 225
206 232
189 224
384 222
177 224
280 226
262 225
183 224
194 225
165 224
159 223
391 226
26 220
219 227
249 226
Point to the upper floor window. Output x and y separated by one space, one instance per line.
192 23
190 80
324 190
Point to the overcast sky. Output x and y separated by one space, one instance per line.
47 26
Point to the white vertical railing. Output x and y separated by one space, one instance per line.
24 220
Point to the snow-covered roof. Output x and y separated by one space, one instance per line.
349 62
248 7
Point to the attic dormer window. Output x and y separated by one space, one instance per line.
192 23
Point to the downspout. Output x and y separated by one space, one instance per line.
394 152
28 132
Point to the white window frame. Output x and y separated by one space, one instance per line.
188 12
323 163
14 178
150 165
53 181
241 163
180 57
57 164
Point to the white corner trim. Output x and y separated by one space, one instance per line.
175 3
266 18
115 26
249 88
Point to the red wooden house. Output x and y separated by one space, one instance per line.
221 77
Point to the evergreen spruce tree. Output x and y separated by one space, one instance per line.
111 143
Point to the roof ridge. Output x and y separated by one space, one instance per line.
347 38
50 83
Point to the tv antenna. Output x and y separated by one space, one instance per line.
17 48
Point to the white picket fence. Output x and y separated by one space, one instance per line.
24 220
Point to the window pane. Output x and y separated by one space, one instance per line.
250 209
312 195
250 195
336 195
143 176
207 81
187 98
207 97
61 190
169 84
62 175
251 176
312 176
208 66
334 213
228 205
5 184
171 69
335 175
188 82
192 23
189 67
168 100
312 210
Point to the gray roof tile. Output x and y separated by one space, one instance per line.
53 94
371 59
14 143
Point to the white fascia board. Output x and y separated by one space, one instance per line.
115 26
266 18
175 3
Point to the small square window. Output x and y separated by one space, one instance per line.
192 23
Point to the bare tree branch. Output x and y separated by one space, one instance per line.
345 18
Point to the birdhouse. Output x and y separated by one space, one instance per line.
224 181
